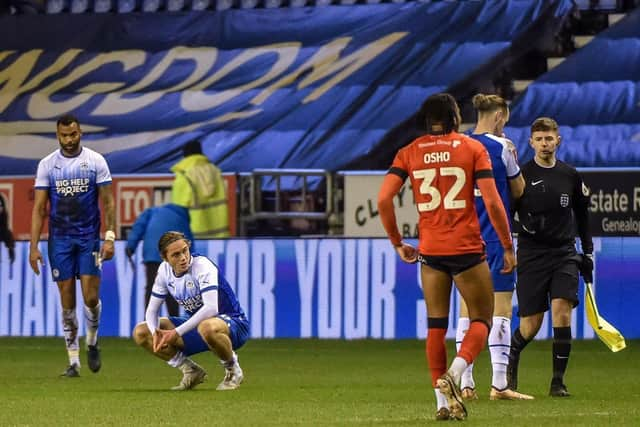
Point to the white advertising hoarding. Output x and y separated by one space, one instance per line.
361 218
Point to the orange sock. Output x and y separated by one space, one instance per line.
474 341
436 353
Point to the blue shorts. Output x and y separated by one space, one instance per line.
495 258
71 257
193 342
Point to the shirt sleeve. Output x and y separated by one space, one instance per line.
139 229
103 175
208 282
510 161
159 288
42 176
581 195
391 184
151 315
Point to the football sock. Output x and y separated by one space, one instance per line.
70 328
457 368
178 360
474 341
467 376
228 364
92 316
499 343
435 347
441 400
561 352
518 343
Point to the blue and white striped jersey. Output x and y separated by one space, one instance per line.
72 183
202 276
505 167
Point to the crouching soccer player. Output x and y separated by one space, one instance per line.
215 319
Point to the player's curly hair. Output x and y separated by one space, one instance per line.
168 238
441 109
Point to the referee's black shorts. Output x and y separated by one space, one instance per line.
545 274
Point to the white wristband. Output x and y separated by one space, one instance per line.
109 236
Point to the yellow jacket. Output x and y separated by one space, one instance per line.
199 186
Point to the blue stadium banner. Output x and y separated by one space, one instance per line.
300 288
262 88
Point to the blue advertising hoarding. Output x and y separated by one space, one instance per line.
300 288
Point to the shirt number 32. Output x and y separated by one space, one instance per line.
426 188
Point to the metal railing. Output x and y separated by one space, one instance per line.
286 194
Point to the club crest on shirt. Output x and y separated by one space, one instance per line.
585 190
189 284
84 166
564 200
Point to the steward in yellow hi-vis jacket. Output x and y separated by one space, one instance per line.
199 186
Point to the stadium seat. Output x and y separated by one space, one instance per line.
175 5
126 6
79 6
224 4
102 6
200 4
55 6
249 4
150 5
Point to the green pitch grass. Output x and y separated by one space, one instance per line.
304 382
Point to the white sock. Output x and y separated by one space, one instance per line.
499 346
467 375
441 400
178 360
457 367
92 315
228 364
70 329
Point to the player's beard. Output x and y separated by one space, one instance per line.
70 149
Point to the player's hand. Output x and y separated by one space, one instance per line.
407 253
586 268
129 254
12 254
106 252
34 257
163 338
509 262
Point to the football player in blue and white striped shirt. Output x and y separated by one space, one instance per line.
71 180
215 321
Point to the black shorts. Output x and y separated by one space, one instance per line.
452 264
545 274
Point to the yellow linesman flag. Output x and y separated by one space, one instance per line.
607 333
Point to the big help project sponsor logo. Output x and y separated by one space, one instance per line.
71 187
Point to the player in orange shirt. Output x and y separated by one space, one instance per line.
443 167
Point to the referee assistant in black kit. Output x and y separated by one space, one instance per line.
554 202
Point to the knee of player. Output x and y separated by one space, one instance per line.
141 333
209 328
